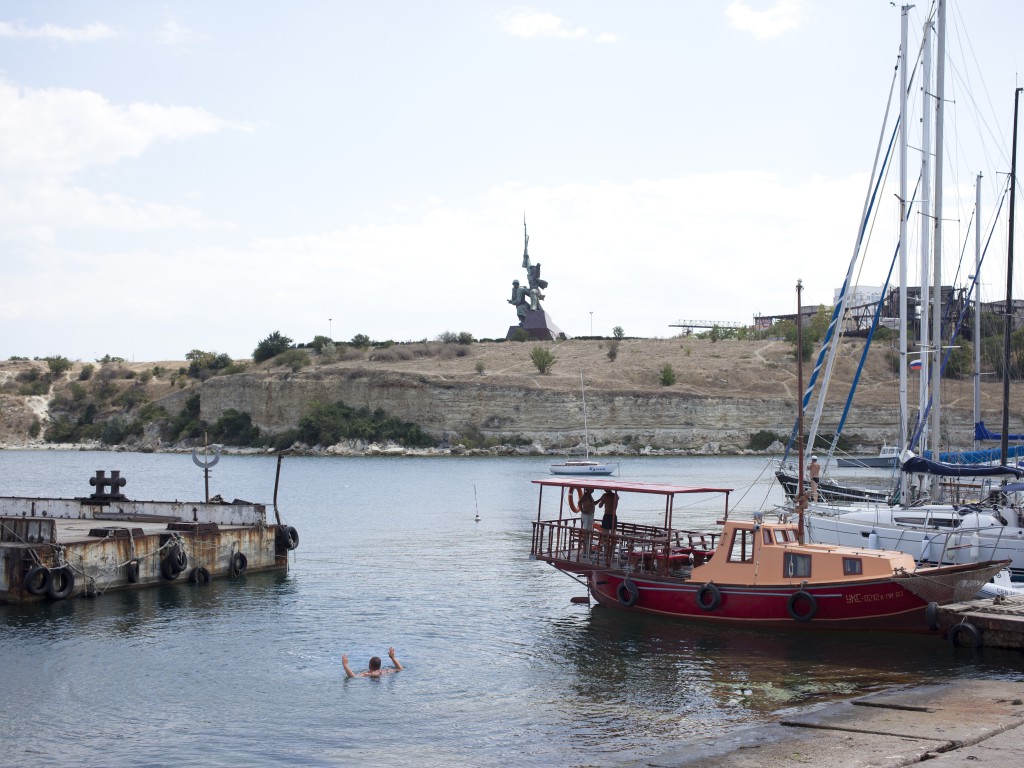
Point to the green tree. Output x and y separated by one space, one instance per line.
668 375
271 346
618 333
361 341
542 358
319 342
58 365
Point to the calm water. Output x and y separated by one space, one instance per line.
502 668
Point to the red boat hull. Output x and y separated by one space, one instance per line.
872 605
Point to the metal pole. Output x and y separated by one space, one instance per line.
977 300
801 499
904 66
591 323
936 378
1004 447
925 345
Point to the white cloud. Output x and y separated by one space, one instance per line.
54 132
90 33
527 22
176 35
771 22
607 37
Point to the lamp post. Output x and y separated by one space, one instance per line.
330 329
591 323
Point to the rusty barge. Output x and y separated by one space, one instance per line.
53 549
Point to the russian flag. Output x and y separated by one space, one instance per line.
915 365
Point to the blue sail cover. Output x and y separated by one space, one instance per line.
984 456
981 433
926 466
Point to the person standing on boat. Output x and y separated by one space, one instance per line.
374 670
609 502
814 471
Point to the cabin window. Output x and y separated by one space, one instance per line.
796 566
780 537
767 536
742 549
852 566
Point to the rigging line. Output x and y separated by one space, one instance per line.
871 332
963 312
869 204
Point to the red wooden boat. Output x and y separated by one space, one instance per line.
748 572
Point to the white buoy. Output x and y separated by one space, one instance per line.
477 518
873 539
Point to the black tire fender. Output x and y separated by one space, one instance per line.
169 567
972 633
37 581
931 615
289 536
199 575
180 558
62 583
704 602
239 562
628 593
131 571
795 599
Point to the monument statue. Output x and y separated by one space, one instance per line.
526 300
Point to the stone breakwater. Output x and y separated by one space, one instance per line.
536 419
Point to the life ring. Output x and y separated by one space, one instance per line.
931 615
169 567
199 575
62 582
716 597
964 627
288 536
131 570
796 597
239 562
628 593
575 505
37 580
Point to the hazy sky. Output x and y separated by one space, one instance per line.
186 175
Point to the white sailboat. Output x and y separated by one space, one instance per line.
584 466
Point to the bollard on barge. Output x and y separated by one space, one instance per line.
53 548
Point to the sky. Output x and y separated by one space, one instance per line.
197 175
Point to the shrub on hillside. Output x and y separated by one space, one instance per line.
273 345
542 358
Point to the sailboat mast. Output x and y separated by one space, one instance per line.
586 433
801 497
924 345
1004 447
977 299
936 373
904 66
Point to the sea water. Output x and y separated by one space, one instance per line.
501 667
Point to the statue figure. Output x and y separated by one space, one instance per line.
519 295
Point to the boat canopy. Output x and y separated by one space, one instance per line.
601 484
942 469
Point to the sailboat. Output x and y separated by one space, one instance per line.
945 532
584 466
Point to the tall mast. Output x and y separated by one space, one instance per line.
936 380
924 343
1008 327
903 237
977 299
801 497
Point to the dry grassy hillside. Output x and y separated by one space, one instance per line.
758 370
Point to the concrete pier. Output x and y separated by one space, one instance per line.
954 725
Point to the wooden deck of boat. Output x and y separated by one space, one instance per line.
999 622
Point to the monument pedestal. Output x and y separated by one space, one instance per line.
539 325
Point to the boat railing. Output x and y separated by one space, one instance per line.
952 547
630 547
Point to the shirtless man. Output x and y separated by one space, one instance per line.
814 470
374 670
